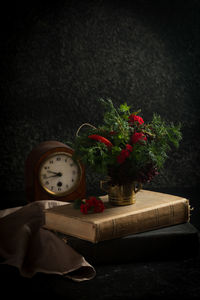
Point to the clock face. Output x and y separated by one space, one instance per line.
59 174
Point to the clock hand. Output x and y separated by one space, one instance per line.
49 171
56 173
52 176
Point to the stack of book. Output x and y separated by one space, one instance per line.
156 227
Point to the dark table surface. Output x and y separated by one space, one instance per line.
170 279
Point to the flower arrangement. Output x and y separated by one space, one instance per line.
124 147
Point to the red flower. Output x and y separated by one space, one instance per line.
124 154
112 132
137 137
92 203
99 207
84 208
101 139
129 148
133 119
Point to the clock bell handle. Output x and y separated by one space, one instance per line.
84 124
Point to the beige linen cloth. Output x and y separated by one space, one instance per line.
25 244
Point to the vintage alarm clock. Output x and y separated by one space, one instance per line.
51 172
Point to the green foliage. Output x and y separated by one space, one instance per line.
77 203
147 154
116 121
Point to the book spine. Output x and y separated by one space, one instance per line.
161 216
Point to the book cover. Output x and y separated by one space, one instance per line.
152 210
173 242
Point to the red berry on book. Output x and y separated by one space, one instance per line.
84 208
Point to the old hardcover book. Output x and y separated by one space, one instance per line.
152 210
179 241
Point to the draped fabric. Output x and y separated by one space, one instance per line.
25 244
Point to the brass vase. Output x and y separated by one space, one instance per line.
121 194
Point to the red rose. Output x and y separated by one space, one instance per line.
84 208
129 148
92 203
133 119
99 207
137 137
124 154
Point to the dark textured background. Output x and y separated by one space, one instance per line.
58 58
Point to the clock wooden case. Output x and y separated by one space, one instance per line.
52 173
